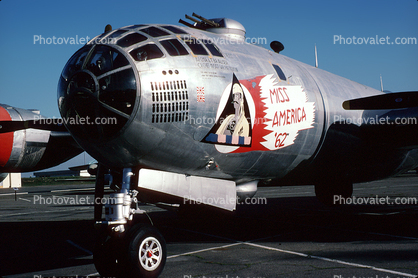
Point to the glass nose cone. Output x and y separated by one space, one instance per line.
97 92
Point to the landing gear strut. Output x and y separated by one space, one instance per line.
125 249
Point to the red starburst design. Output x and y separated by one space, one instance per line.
259 130
200 94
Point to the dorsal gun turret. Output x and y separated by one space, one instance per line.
223 26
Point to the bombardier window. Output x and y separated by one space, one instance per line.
98 83
175 30
212 48
196 46
154 32
174 47
146 52
131 39
76 62
118 90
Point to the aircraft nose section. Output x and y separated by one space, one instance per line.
97 92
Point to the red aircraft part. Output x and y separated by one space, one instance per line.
6 139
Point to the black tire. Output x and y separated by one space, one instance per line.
147 252
105 258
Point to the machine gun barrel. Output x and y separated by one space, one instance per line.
193 19
207 21
186 23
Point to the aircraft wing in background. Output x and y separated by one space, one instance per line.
30 143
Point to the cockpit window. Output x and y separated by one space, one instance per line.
279 71
97 39
174 47
196 46
117 33
105 59
175 30
212 48
154 32
131 39
134 26
146 52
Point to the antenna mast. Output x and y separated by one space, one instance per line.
381 83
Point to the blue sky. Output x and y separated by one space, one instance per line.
29 71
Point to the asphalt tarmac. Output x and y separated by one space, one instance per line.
48 231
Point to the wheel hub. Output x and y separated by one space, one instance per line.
150 253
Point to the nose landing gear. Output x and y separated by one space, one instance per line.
125 249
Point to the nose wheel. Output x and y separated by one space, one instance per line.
147 252
141 254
